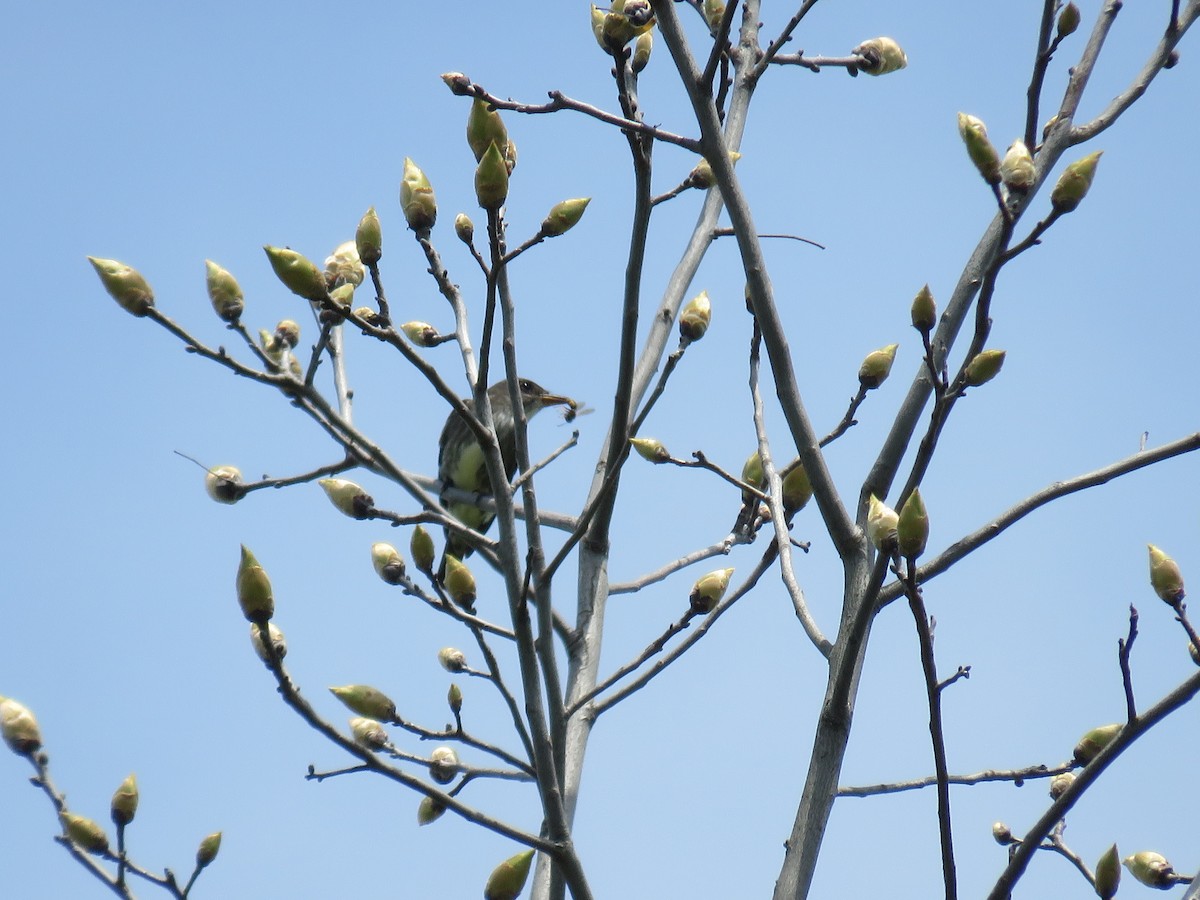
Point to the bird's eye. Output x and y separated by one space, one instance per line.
526 386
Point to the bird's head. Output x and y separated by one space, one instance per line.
534 397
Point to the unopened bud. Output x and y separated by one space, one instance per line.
1074 183
388 563
459 582
714 10
695 318
650 449
429 810
224 292
274 635
1060 783
368 733
1165 577
420 548
454 699
881 56
298 273
1068 20
1094 741
124 284
702 176
347 497
797 489
287 332
343 266
641 51
452 659
979 148
877 366
1016 169
508 879
19 728
458 83
484 127
464 228
1108 871
84 832
208 850
368 238
443 765
882 522
342 296
366 701
983 367
491 179
563 216
420 333
124 802
417 201
752 470
254 589
1002 834
224 484
924 311
1151 869
912 528
708 591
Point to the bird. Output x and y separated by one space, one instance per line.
461 461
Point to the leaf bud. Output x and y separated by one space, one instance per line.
454 698
650 449
124 284
420 548
924 311
708 591
983 367
642 48
491 179
695 318
464 228
882 523
881 56
368 733
366 701
459 84
19 728
208 850
752 470
388 563
348 497
452 659
84 832
563 216
443 765
287 332
343 266
797 489
1002 834
298 273
417 201
459 582
1151 869
429 810
912 528
420 333
714 10
1068 20
1108 874
508 879
341 297
702 176
1093 742
979 148
1016 169
224 292
274 635
1074 183
1165 577
484 127
368 238
224 484
877 366
1060 783
124 802
254 589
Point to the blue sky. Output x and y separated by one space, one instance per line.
162 135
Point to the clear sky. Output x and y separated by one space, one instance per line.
164 134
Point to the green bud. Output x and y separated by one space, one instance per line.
274 635
491 179
420 548
912 528
708 591
702 175
366 701
1074 183
459 84
287 332
881 56
1059 784
464 228
420 333
84 832
388 563
454 698
1094 741
19 728
695 318
1165 577
650 449
348 497
1016 169
626 20
342 296
125 285
343 266
1108 870
563 216
224 292
368 238
1068 20
124 802
417 201
298 273
208 850
224 484
598 27
254 589
1002 834
877 366
797 489
452 659
983 367
882 524
443 765
484 127
1194 652
1151 869
641 51
752 470
368 733
508 879
979 148
429 810
924 310
459 583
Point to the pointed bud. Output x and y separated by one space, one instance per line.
979 148
695 318
641 51
452 659
420 548
564 216
1002 834
877 366
348 497
417 201
459 583
208 850
484 127
882 522
1165 577
341 297
912 528
708 591
650 449
881 56
368 733
752 470
343 266
224 484
983 367
1074 183
1068 20
797 489
464 228
443 765
1016 169
454 698
459 84
368 238
366 701
1093 742
429 810
1108 870
420 333
491 179
84 833
388 563
1059 784
124 802
224 292
298 273
702 176
254 589
924 311
598 27
19 728
1151 869
274 635
125 285
508 879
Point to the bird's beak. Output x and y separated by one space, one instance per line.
555 400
